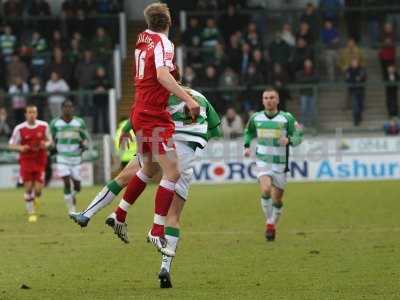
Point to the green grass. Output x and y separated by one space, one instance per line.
335 241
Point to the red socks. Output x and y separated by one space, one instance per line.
134 189
164 197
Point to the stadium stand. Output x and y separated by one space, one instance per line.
46 56
249 44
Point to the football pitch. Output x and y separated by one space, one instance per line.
335 241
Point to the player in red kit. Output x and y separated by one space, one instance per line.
152 123
31 138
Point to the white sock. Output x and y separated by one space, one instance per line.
166 261
69 201
29 205
276 213
102 199
266 205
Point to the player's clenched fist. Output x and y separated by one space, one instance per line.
194 108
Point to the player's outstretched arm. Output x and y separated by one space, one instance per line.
249 134
168 81
214 122
295 132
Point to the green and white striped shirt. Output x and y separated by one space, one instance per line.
68 138
206 125
269 130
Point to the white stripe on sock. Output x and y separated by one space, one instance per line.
143 177
169 185
160 220
124 205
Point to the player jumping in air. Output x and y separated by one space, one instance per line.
152 123
188 137
70 138
275 131
32 138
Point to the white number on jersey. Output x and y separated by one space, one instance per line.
140 57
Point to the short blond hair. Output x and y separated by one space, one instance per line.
157 16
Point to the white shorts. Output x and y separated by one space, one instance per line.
186 158
68 170
278 179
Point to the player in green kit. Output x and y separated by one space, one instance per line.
188 137
275 132
70 138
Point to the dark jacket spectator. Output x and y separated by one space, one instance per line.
311 18
261 64
355 76
245 58
231 22
40 8
392 79
306 33
252 37
251 78
85 70
17 68
279 51
101 84
192 38
234 52
192 35
300 54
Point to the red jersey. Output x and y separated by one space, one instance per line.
153 50
33 136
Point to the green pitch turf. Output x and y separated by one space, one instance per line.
335 241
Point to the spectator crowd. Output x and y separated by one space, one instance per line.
56 54
320 44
